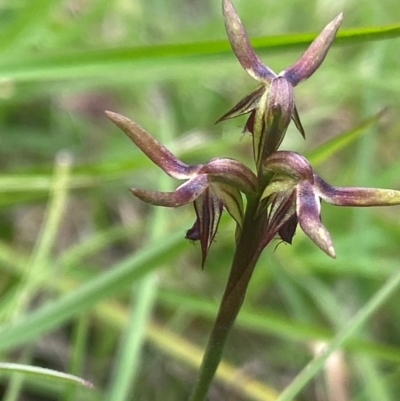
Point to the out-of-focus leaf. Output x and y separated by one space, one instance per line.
10 368
146 59
327 149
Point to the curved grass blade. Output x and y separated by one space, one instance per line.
327 149
112 282
10 368
49 231
311 369
267 322
103 62
185 351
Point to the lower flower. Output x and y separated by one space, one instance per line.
294 195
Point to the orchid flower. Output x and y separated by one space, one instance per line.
275 96
211 186
294 195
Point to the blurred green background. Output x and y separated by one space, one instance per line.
97 284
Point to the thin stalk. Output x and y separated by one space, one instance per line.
36 271
247 253
78 352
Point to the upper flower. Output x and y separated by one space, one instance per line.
209 186
293 197
274 100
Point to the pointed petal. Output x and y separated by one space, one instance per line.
281 210
231 172
308 213
187 192
278 185
297 122
153 149
246 105
356 196
258 126
314 55
232 200
208 210
241 45
289 163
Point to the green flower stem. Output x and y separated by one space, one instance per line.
247 253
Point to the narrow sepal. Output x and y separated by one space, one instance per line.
245 105
297 122
257 127
241 45
308 213
153 149
356 196
208 209
278 185
281 210
312 58
231 172
232 200
186 193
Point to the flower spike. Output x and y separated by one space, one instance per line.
282 194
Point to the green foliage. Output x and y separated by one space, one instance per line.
78 253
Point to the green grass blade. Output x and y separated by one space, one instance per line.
14 385
79 343
39 259
327 149
27 20
311 369
268 321
185 351
129 358
371 379
112 282
40 183
89 63
10 368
